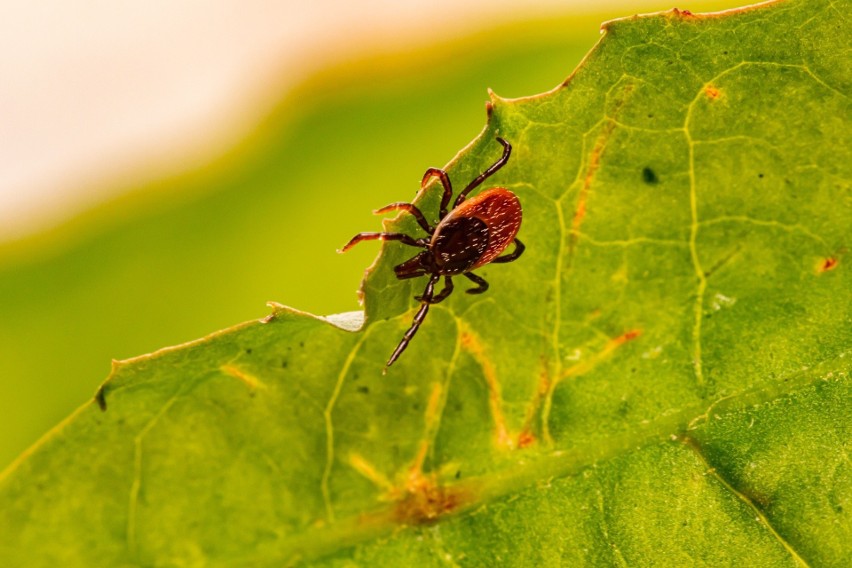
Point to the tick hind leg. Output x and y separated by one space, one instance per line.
426 298
519 250
409 240
482 284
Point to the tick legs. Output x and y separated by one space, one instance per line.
425 300
445 181
519 249
411 208
448 289
423 243
482 284
507 150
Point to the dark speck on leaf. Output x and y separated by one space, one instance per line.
458 476
301 344
284 364
649 176
364 390
650 115
248 351
760 176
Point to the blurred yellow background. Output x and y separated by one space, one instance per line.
160 185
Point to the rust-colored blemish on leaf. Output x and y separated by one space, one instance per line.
611 345
591 170
628 336
470 343
712 92
426 501
527 438
252 382
593 165
684 13
827 264
433 414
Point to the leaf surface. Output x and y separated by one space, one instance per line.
662 377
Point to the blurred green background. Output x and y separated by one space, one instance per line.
180 258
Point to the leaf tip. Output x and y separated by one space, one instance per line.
276 311
100 394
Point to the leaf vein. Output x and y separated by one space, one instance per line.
761 517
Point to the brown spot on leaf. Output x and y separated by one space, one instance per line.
526 439
426 501
712 92
827 264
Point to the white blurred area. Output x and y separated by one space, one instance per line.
96 93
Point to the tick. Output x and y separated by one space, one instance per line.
470 235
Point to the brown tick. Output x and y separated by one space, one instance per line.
470 235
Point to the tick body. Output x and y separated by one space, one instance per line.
470 235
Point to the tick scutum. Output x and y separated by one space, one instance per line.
458 244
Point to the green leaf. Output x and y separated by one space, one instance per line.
662 378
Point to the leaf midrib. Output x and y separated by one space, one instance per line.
556 464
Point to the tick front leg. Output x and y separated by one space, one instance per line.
507 151
445 181
418 319
406 239
483 285
411 208
519 249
